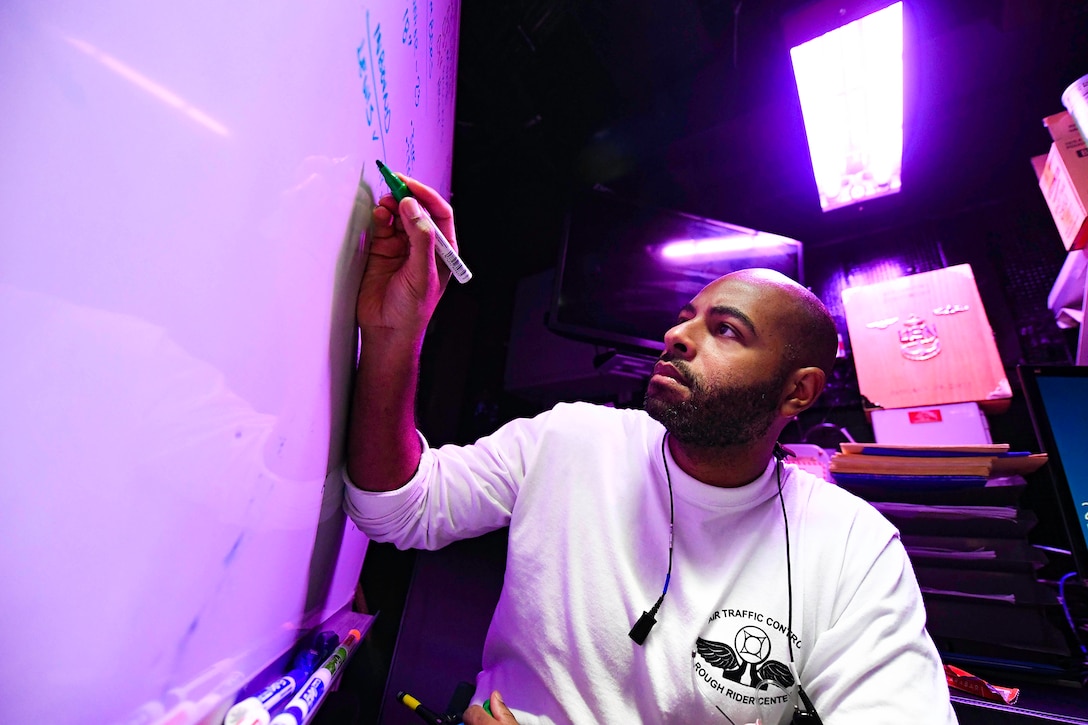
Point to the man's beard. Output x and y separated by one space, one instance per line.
736 415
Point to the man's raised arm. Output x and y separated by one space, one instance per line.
401 286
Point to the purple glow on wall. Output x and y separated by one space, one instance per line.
717 246
881 270
850 83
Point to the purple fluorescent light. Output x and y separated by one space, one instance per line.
716 246
850 82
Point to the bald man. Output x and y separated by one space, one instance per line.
665 565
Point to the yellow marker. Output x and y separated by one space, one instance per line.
428 715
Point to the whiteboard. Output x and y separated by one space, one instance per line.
182 193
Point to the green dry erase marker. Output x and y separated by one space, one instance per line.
446 251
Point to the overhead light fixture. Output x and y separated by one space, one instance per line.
723 246
850 84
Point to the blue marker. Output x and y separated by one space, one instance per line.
255 710
324 644
305 702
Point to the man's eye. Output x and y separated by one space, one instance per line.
727 330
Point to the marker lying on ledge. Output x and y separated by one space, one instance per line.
446 251
425 713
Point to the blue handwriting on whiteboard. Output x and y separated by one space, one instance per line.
383 79
368 93
410 146
410 34
374 77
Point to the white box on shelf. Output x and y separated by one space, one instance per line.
928 425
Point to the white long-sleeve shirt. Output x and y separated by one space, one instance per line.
585 493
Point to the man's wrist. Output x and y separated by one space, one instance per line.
392 339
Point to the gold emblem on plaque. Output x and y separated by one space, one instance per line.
918 339
950 309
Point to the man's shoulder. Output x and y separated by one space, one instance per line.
593 422
597 412
829 500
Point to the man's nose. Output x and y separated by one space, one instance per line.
678 340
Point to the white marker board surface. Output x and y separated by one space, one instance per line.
180 209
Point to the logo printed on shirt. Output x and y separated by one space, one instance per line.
748 661
740 662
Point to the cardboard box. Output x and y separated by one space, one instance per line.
1067 295
924 340
1064 180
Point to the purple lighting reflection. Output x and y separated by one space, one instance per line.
850 83
718 246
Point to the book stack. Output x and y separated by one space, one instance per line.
930 466
960 519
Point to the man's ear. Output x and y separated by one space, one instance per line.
803 388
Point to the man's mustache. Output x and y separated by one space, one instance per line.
681 366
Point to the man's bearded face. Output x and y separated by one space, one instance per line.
727 416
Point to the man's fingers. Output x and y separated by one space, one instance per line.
411 210
427 196
388 202
499 710
382 221
475 715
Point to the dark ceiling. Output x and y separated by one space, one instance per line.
690 105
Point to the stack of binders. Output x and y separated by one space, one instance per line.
958 511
